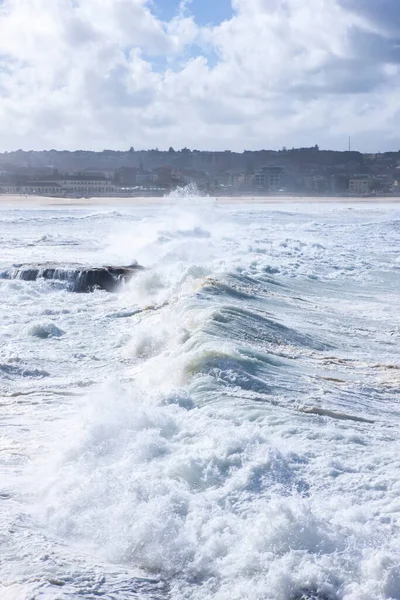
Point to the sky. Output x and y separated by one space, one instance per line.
203 74
205 12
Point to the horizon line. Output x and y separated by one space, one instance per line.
195 150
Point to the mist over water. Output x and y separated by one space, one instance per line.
224 426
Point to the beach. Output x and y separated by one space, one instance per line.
22 200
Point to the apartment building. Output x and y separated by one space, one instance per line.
269 179
359 185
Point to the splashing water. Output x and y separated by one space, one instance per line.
189 192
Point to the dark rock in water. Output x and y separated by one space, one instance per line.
45 330
306 594
79 278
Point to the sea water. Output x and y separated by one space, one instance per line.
225 426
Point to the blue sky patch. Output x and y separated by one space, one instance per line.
206 12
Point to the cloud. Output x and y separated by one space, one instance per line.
86 73
383 14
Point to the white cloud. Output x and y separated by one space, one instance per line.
108 73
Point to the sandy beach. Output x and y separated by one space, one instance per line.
30 201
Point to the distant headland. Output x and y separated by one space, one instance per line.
296 171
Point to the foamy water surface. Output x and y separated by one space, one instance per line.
225 426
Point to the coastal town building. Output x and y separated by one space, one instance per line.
78 185
86 185
359 185
43 188
143 177
269 179
39 188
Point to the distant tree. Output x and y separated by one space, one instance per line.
171 150
376 185
131 150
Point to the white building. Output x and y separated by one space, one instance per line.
359 185
81 185
143 177
42 188
38 188
68 186
269 178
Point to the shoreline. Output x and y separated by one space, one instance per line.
29 201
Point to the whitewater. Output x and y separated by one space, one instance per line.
225 426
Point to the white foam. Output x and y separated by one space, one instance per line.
166 435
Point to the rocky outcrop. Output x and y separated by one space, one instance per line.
305 594
78 278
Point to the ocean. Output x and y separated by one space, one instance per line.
224 426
